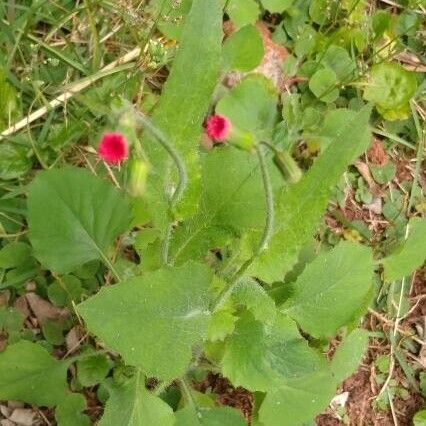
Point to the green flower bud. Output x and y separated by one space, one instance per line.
287 166
242 139
138 173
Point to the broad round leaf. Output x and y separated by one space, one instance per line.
261 358
333 290
277 6
74 217
30 374
298 400
14 161
251 106
349 354
243 50
131 404
323 85
216 416
243 12
153 320
390 88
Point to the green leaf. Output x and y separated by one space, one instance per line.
243 12
182 107
349 354
302 205
53 332
323 85
8 103
144 317
261 358
216 416
410 256
74 217
390 88
14 254
322 11
243 50
249 293
93 369
251 106
69 411
27 368
172 16
420 418
65 290
131 404
221 324
298 400
383 174
277 6
232 188
14 161
332 289
337 59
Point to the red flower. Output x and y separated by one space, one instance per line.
218 127
113 148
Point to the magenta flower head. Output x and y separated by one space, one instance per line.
218 127
113 148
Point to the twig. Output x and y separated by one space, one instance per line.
395 419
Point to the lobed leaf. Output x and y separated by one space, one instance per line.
131 404
302 205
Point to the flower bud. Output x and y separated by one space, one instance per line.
138 173
242 139
287 166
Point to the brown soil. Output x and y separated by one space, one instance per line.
239 398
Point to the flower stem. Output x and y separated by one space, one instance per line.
173 153
183 176
268 231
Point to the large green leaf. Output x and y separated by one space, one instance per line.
410 256
74 217
332 290
391 87
216 416
243 50
261 358
249 293
242 12
154 320
14 161
30 374
182 107
69 411
298 400
302 205
349 354
277 6
232 188
251 106
131 404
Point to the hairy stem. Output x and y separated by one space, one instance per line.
183 176
267 231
